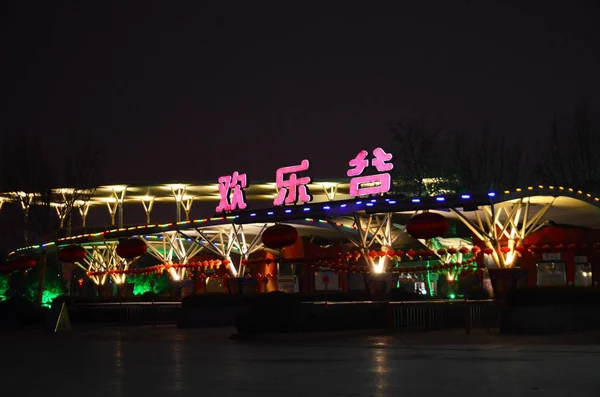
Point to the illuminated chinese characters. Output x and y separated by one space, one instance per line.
370 184
293 189
231 187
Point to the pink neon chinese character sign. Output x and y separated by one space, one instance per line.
377 183
293 189
231 187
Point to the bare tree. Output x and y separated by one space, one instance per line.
571 155
418 157
47 207
485 162
433 161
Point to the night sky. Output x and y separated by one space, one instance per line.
192 91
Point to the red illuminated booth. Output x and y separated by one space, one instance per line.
562 255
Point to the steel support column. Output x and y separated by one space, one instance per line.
508 221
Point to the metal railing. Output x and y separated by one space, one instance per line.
438 315
126 313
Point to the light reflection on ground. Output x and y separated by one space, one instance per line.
167 361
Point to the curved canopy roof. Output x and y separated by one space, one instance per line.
565 206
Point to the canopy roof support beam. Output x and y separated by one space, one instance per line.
504 226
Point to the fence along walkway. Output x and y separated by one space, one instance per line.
437 315
127 313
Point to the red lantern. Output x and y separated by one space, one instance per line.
23 263
411 253
487 250
279 236
464 250
560 247
427 225
72 254
441 251
131 248
520 249
546 248
475 249
534 248
505 250
452 251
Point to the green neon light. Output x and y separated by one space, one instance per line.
429 280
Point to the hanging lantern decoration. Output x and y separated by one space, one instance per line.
131 248
411 252
22 263
546 248
464 250
571 247
452 251
475 250
279 236
520 249
505 250
534 248
427 225
72 254
487 251
560 248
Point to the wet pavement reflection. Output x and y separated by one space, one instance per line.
168 361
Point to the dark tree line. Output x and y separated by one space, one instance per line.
434 160
45 188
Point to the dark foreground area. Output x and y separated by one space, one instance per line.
165 361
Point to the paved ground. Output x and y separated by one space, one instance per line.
167 362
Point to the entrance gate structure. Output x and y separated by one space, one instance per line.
501 221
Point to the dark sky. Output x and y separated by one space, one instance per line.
191 90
